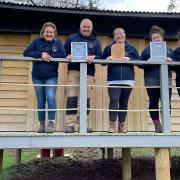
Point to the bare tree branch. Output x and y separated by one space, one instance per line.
31 2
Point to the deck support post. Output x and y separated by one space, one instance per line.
18 156
126 164
109 153
162 163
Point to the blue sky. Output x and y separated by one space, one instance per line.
135 5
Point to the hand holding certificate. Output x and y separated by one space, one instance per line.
117 51
158 51
79 51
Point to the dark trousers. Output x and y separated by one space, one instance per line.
154 98
118 101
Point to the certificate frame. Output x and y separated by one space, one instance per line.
79 51
158 51
118 51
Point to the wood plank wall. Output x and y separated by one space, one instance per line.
23 96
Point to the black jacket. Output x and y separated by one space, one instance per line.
45 70
121 71
94 48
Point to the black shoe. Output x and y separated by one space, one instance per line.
69 129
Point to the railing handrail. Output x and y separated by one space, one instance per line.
96 61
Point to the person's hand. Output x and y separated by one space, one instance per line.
125 59
168 59
90 59
69 57
109 58
46 57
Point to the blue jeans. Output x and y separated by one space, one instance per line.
43 94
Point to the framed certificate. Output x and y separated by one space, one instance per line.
117 51
158 50
79 51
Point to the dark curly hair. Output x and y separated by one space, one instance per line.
156 29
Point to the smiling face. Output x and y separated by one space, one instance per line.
156 37
119 35
49 33
86 27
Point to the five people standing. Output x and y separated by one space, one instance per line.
120 76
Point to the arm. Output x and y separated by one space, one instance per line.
135 55
177 54
106 54
32 50
98 52
171 57
67 46
144 57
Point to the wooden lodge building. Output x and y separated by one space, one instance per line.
21 23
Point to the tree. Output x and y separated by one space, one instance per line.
84 4
174 5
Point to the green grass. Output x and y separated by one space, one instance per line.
9 160
29 155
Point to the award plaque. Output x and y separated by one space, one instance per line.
79 51
158 50
117 51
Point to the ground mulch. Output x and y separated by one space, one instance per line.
90 168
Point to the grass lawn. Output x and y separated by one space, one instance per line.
28 155
9 160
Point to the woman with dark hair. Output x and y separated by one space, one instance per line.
45 73
152 77
177 68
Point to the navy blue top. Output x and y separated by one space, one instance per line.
45 70
153 71
177 54
94 48
177 58
121 71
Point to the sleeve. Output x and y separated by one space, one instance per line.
171 54
135 54
106 53
61 53
176 58
177 54
32 50
67 45
98 51
144 57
